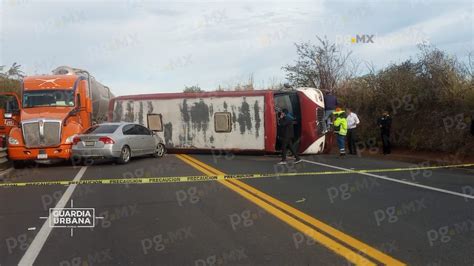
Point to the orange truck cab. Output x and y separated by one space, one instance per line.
9 114
54 109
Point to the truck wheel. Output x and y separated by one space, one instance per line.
124 155
159 151
18 164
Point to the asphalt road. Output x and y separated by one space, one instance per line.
320 219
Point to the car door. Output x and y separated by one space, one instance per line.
147 141
131 136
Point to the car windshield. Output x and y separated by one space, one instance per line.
102 129
64 98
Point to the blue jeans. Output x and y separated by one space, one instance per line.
341 143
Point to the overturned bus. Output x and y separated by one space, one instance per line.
237 121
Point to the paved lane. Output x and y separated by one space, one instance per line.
415 225
21 207
175 224
207 223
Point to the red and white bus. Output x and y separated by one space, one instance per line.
237 121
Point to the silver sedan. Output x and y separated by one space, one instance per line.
120 141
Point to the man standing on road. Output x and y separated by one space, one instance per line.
340 128
352 122
330 103
385 124
286 134
472 124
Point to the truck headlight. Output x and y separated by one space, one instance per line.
13 141
70 139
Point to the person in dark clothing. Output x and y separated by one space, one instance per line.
385 124
472 124
286 135
330 104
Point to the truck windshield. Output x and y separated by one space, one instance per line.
62 98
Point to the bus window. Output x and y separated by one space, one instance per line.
282 101
290 102
154 122
222 122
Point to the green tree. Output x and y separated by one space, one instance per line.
194 88
10 78
322 65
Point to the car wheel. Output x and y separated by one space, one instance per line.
124 155
87 161
159 151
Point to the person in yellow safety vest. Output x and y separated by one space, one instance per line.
340 128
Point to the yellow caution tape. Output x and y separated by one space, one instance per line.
200 178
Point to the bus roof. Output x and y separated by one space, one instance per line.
190 95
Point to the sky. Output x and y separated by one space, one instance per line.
137 46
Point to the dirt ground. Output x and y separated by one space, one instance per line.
407 155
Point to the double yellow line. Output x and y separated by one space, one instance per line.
342 244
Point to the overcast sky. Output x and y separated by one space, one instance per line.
136 46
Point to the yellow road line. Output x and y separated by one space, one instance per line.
203 170
211 169
336 247
372 252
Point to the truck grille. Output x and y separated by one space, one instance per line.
49 135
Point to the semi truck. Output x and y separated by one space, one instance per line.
9 115
55 108
236 121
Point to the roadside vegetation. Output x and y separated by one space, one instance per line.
430 97
10 78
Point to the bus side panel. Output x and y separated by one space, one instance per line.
270 123
311 141
189 123
308 122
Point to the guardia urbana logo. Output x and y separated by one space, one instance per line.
72 217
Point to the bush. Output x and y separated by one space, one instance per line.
431 101
9 85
